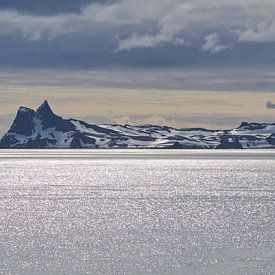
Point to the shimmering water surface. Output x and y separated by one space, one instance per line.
137 212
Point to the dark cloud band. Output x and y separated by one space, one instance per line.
47 7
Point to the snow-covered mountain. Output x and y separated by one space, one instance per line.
44 129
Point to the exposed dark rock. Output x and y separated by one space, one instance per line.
44 129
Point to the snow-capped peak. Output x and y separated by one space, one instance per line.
44 129
44 110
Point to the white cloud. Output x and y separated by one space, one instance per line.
154 119
148 41
168 21
264 32
122 120
212 44
174 20
34 28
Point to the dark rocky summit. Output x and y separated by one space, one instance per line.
44 129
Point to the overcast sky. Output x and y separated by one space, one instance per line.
137 33
184 45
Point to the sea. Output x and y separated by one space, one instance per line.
137 211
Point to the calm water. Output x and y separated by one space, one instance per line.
137 212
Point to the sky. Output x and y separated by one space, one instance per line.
199 63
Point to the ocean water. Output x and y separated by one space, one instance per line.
137 212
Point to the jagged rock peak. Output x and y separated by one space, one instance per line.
44 129
23 109
23 121
24 113
44 110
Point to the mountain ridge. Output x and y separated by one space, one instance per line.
42 128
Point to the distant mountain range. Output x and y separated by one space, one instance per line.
44 129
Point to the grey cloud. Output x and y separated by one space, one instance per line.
173 18
212 44
135 33
47 7
182 19
171 79
34 28
264 32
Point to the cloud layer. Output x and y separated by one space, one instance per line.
129 32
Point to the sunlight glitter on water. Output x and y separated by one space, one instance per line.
137 212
